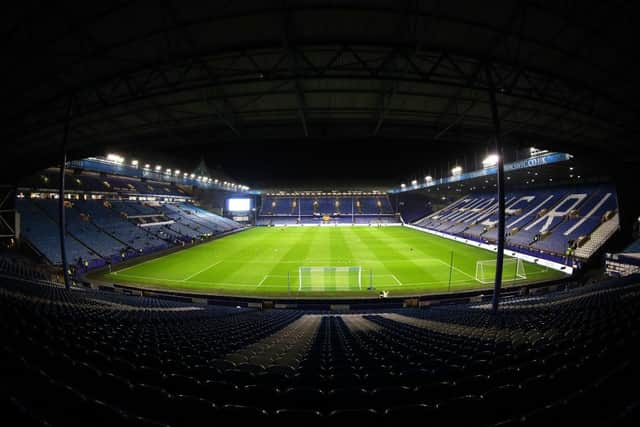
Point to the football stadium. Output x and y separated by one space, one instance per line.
307 213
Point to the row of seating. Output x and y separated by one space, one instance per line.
100 231
72 356
325 205
92 182
547 221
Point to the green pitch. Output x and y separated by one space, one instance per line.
322 262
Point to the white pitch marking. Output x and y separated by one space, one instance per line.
137 265
225 284
201 271
457 269
262 281
396 279
214 284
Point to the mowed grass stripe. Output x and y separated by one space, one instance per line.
341 252
260 246
464 258
388 246
264 256
378 269
369 261
292 257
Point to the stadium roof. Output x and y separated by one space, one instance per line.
315 76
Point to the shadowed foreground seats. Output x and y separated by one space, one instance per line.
80 357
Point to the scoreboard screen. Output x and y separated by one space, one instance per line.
239 205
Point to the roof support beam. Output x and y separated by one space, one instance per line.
294 69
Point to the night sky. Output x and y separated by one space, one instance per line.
307 163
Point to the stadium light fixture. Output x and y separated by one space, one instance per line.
536 152
134 163
147 166
428 178
158 168
403 185
177 172
414 182
168 171
490 160
193 175
457 170
115 158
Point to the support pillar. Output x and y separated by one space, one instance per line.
62 220
500 185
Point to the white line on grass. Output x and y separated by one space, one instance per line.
201 271
396 279
213 284
223 284
262 281
138 265
457 269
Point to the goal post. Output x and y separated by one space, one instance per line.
329 278
512 270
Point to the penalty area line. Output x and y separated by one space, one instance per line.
396 279
200 271
457 269
262 281
211 284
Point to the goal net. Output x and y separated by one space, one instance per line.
512 269
329 278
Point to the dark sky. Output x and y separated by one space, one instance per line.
310 164
307 163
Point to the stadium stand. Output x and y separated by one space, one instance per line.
100 231
83 181
283 210
542 221
624 263
42 231
88 357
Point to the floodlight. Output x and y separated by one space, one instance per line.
457 170
115 158
414 182
428 178
134 163
158 168
491 160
